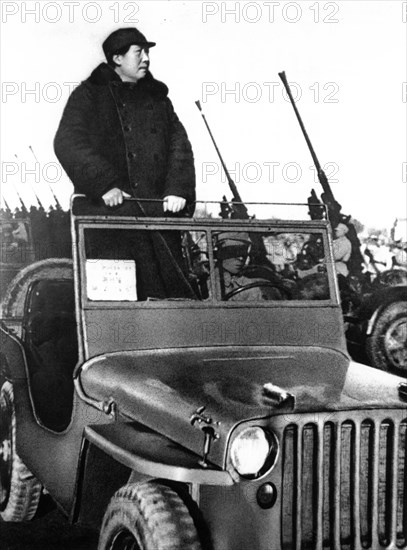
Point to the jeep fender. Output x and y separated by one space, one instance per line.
12 304
115 454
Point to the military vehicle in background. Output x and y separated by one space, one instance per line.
375 309
377 325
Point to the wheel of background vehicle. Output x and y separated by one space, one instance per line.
147 516
19 489
387 344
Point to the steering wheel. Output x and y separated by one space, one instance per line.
257 284
261 271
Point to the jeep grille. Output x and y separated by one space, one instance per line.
361 498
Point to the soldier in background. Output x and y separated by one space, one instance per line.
28 236
342 249
399 251
5 214
377 254
59 232
39 231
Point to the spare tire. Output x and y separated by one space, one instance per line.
387 344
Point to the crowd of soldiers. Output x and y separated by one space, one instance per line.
37 234
34 234
380 254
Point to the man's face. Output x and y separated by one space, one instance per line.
341 230
133 65
234 257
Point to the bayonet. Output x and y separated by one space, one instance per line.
58 204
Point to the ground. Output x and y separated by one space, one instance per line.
49 530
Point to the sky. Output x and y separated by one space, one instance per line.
345 60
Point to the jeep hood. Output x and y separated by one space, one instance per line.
163 389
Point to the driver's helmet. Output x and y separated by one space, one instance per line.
231 244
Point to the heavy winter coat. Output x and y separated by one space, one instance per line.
125 135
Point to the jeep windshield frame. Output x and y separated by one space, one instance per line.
118 326
209 227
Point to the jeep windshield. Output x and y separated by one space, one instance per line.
154 260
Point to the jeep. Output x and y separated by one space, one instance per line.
167 410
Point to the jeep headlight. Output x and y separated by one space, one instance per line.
253 451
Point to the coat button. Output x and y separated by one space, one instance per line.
131 155
122 105
127 128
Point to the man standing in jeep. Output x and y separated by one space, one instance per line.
119 135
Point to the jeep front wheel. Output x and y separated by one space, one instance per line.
19 489
387 344
147 516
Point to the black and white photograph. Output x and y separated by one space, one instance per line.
203 274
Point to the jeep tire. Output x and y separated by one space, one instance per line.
19 489
387 344
147 516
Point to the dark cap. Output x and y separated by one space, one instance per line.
124 37
230 238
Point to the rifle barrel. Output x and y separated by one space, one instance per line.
58 204
55 198
21 200
38 200
32 151
8 209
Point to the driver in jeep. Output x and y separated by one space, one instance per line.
232 249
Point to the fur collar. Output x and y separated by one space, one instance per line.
104 75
